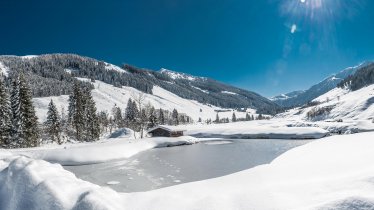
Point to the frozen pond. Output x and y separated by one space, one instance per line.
164 167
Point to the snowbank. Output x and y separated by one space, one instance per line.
262 129
36 184
102 151
334 173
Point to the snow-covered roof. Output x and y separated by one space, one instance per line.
166 127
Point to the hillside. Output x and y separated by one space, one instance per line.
106 96
299 98
53 75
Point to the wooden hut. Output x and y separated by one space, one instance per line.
165 131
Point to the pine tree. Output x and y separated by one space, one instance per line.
92 127
53 123
117 116
217 118
152 119
16 114
247 117
76 112
161 117
29 122
233 119
103 121
175 119
5 117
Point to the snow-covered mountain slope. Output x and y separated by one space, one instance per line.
106 96
339 103
299 98
54 75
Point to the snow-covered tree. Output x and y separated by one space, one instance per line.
131 114
16 113
174 116
247 117
92 126
233 119
217 118
161 117
152 119
53 123
75 112
117 116
5 117
29 134
103 121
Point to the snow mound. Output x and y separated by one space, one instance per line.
36 184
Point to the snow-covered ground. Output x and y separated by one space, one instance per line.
119 146
258 129
97 152
106 96
332 173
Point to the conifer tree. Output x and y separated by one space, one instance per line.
117 116
16 114
5 117
76 112
53 123
233 119
92 127
28 122
174 116
152 119
247 117
217 118
161 117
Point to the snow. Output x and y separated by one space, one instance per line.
228 92
177 75
112 67
101 151
69 71
3 69
106 96
29 56
204 91
333 173
259 129
346 105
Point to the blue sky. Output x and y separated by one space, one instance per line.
268 46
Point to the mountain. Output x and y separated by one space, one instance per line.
352 99
299 98
52 75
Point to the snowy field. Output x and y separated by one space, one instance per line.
331 173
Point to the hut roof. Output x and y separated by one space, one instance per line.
166 127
